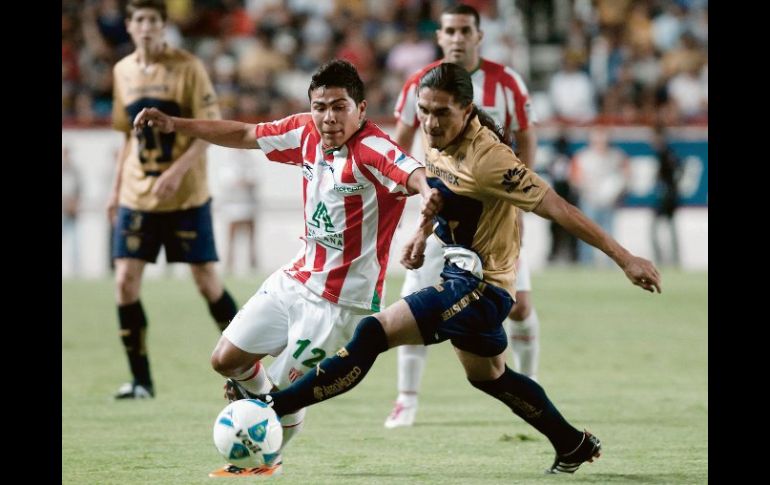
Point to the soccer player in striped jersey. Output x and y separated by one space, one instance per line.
502 94
483 185
355 183
160 195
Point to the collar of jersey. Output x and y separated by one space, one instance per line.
468 132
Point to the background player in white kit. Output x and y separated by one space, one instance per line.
502 94
355 182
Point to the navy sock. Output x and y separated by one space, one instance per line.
133 326
337 374
223 310
528 400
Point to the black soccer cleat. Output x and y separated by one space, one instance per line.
235 392
132 390
587 450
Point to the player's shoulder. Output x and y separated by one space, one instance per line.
374 138
415 78
484 146
500 70
175 55
126 63
371 133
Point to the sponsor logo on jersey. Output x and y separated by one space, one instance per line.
330 240
441 173
348 189
148 90
512 178
307 171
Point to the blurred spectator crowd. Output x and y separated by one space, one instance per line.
619 61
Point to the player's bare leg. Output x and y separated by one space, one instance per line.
222 307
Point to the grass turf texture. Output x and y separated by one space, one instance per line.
629 366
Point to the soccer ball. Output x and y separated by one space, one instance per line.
248 433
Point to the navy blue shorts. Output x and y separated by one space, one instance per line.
187 235
463 309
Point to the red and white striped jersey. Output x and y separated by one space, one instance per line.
353 196
497 89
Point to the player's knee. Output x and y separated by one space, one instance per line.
521 309
207 281
369 334
225 363
127 287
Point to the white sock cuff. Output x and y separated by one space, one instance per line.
249 373
407 398
532 322
294 419
255 379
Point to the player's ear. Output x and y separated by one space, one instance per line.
361 111
468 111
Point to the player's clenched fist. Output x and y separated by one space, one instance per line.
155 118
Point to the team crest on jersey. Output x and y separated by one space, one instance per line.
321 228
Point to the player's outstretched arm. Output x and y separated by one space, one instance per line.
640 271
233 134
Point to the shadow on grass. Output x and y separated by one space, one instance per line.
471 424
639 478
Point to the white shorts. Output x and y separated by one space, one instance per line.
429 273
286 320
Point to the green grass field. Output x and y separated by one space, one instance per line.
629 366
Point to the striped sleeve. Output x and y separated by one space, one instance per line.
518 101
406 106
281 140
388 164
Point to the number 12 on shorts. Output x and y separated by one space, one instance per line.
318 353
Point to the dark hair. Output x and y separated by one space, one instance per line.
462 9
450 78
134 5
339 74
453 79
